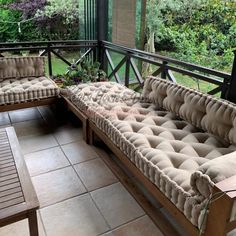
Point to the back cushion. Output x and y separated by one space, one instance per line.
208 113
152 87
18 67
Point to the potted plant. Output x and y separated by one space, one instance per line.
86 71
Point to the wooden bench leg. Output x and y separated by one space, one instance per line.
85 131
33 223
90 136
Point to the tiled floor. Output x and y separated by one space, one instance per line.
79 195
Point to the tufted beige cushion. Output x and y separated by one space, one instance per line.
99 94
26 89
166 149
19 67
212 172
167 133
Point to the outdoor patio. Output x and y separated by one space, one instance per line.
77 191
149 148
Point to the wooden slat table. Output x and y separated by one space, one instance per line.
18 199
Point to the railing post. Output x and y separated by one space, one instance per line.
49 59
127 70
224 89
101 57
164 71
102 30
231 93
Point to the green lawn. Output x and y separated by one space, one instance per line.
60 67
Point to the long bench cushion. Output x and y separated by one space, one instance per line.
20 67
166 149
26 89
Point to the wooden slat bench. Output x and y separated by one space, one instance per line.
18 199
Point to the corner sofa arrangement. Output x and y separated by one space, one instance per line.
180 143
23 83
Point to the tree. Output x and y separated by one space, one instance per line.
68 10
194 30
51 19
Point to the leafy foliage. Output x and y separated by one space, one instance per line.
195 30
68 10
41 20
28 8
86 71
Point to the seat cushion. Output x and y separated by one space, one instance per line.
99 94
166 149
26 89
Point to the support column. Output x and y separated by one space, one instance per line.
102 30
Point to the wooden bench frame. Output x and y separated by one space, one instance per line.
218 220
28 104
23 203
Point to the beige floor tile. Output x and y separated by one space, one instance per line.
95 174
57 185
24 115
74 217
79 152
4 118
45 161
140 227
34 143
116 204
68 133
31 127
20 228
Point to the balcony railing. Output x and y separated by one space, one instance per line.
128 63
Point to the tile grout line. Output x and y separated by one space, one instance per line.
59 168
44 149
34 119
38 150
36 108
41 219
63 200
125 224
100 213
73 168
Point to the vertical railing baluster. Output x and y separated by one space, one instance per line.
164 71
127 70
49 59
101 57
